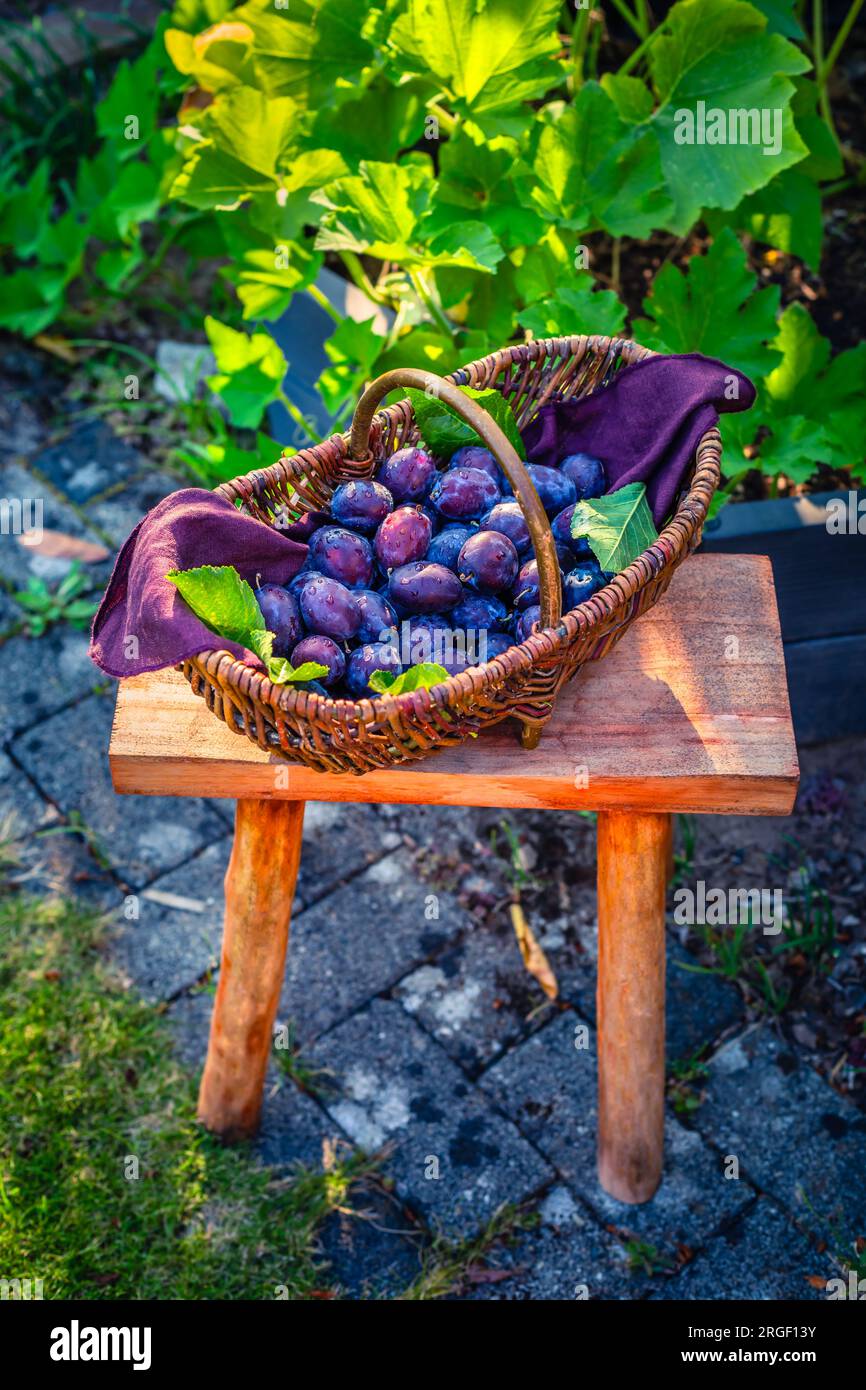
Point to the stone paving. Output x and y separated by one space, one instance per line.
418 1035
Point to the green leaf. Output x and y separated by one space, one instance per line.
282 672
314 51
218 58
243 141
24 214
218 462
720 52
376 124
378 210
578 308
488 57
475 176
824 160
592 168
421 677
31 300
223 601
794 448
444 432
713 307
251 371
780 17
268 277
618 526
807 384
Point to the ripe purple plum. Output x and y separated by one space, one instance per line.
488 562
377 615
403 537
478 612
446 546
325 651
587 474
282 616
474 456
497 643
528 620
424 588
361 505
555 489
508 519
372 656
408 474
329 608
580 584
340 554
464 494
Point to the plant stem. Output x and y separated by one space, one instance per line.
448 122
642 15
579 37
324 303
428 300
359 277
823 71
630 19
818 50
299 418
614 262
641 50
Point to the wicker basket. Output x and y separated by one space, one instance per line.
339 735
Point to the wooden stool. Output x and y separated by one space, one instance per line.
689 713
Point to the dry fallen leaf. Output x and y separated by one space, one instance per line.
534 959
58 347
58 545
158 895
816 1281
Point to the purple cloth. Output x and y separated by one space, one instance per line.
644 425
143 623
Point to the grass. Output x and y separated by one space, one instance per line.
108 1186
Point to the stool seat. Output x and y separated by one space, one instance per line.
689 712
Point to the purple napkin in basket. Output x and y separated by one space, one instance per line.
143 623
645 425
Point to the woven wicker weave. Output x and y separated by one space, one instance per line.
355 736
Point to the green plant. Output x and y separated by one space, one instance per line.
44 606
455 157
684 1075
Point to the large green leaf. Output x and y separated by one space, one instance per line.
250 374
591 168
618 526
577 308
720 52
830 392
713 307
382 210
244 138
222 600
488 55
268 277
475 180
313 50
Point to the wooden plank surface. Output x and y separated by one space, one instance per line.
688 713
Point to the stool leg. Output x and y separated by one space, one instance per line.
632 872
260 884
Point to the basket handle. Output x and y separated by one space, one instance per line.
550 594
